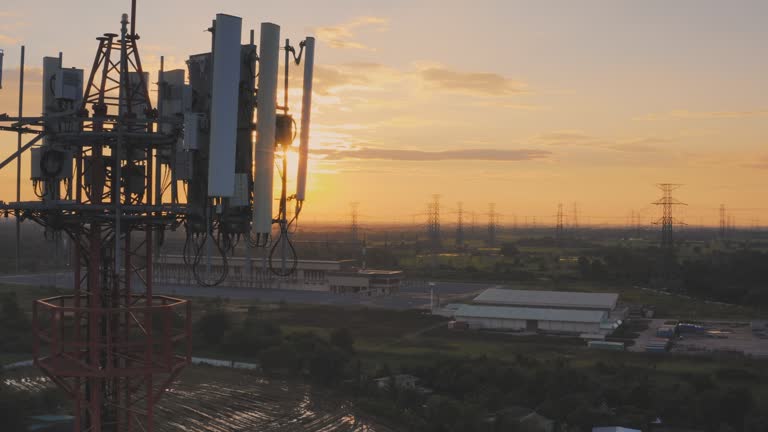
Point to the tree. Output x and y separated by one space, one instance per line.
213 326
279 358
509 250
342 338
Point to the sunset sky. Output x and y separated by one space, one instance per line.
521 103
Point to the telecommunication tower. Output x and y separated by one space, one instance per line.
559 225
723 223
667 222
433 222
731 230
460 225
575 218
105 164
353 226
493 225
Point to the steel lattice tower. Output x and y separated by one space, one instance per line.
667 222
493 224
354 228
112 344
460 225
433 222
575 219
723 223
559 224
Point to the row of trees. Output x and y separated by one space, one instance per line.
729 276
487 394
323 360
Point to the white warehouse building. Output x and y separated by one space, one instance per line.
541 311
548 299
531 319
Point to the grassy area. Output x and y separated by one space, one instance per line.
397 335
27 294
398 338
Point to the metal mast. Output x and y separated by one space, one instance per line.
354 228
111 344
433 222
667 222
460 225
723 223
493 224
575 219
559 225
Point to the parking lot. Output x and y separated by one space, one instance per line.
717 337
724 337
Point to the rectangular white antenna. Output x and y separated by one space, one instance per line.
224 98
306 110
269 53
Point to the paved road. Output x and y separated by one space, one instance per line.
412 296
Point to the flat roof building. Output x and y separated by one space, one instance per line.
311 275
593 314
531 319
548 299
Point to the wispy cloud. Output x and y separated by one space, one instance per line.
702 115
343 35
582 139
476 83
495 89
327 79
565 137
501 155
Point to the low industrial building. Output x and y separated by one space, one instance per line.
548 299
310 275
592 314
531 319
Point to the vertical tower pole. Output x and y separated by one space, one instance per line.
18 160
460 225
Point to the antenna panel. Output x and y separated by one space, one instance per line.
226 80
269 54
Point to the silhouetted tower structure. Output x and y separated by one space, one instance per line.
111 343
493 224
559 226
731 230
575 218
723 223
667 222
635 222
354 228
460 225
433 221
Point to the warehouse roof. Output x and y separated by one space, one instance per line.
526 313
563 299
